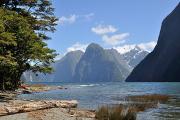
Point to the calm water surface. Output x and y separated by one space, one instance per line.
91 96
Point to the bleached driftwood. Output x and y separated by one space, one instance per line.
33 106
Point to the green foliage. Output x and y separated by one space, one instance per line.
39 13
23 24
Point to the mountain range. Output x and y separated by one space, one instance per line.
96 64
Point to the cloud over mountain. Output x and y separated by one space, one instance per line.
109 35
115 39
77 46
149 46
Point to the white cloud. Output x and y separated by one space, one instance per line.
77 46
115 39
89 16
73 18
70 19
149 46
103 29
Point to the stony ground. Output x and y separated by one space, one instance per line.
48 114
54 113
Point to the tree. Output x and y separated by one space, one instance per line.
39 13
23 24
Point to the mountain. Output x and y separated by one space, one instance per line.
100 65
135 56
64 68
96 64
163 64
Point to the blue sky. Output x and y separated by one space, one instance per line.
110 23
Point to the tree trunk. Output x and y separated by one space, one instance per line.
3 84
16 80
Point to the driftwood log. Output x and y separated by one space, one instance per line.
36 105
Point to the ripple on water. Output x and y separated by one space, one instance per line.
93 95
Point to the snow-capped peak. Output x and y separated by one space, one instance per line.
124 49
140 47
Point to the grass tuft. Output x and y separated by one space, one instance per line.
128 111
149 98
115 113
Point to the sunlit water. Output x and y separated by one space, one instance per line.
91 96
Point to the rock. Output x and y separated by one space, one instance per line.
64 103
82 113
37 88
60 87
26 92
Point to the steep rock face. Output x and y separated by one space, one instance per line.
163 64
64 68
118 59
98 65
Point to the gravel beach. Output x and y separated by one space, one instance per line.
47 114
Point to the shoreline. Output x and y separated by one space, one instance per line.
53 109
72 113
44 110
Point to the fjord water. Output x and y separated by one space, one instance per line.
93 95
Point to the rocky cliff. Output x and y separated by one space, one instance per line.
163 64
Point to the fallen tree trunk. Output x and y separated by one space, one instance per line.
33 106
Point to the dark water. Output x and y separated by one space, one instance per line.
91 96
